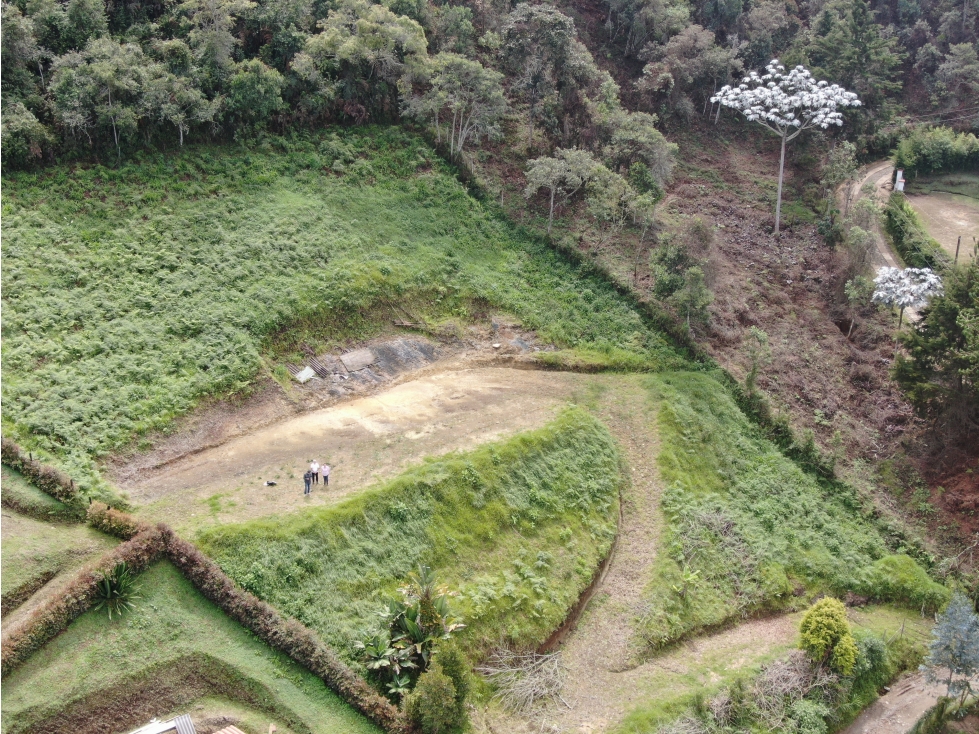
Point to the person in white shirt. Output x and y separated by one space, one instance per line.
314 467
325 471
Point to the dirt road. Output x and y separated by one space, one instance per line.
365 439
879 174
896 711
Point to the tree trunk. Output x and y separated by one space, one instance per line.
550 217
900 318
778 198
181 129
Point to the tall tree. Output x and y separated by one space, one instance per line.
953 656
211 35
788 105
542 52
562 175
101 87
848 47
691 64
175 100
464 95
19 50
371 52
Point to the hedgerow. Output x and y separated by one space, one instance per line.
516 528
77 597
43 476
910 239
131 293
936 150
113 522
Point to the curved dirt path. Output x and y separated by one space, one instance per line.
364 439
896 711
879 174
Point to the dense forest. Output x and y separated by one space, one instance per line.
92 78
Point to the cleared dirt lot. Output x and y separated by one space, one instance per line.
947 217
365 439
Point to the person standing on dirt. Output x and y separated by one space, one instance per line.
325 471
314 468
307 480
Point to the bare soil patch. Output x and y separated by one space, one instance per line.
896 711
947 217
365 439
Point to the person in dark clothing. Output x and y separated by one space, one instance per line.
307 480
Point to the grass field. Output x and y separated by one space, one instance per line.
131 293
20 494
136 666
749 530
517 528
33 552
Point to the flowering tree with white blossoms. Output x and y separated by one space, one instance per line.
787 104
908 288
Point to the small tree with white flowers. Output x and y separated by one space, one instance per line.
908 288
787 104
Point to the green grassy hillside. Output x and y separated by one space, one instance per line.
180 648
131 293
517 528
749 530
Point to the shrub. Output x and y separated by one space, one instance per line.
826 636
116 590
810 717
900 578
113 522
935 150
910 239
432 705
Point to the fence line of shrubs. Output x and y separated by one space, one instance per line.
43 476
143 545
907 233
114 522
76 598
936 150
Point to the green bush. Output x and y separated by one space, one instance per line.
117 590
809 717
432 705
936 150
900 578
113 522
825 635
910 239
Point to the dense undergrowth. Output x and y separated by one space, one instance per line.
131 293
176 646
750 531
517 528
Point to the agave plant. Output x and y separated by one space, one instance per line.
117 590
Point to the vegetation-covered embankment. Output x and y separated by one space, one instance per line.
751 531
131 293
517 528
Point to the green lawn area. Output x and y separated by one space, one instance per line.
517 528
22 495
32 551
98 661
131 293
